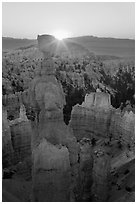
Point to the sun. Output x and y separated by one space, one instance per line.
60 34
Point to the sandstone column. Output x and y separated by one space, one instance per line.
54 148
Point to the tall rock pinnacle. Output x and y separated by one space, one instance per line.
54 148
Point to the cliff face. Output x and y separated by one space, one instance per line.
112 136
16 143
122 127
92 118
85 170
12 103
21 140
96 118
51 172
90 123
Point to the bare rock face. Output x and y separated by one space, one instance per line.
16 143
100 174
22 114
112 135
21 139
21 135
97 118
14 104
89 100
98 99
52 172
46 44
86 169
11 102
90 123
92 118
7 149
54 148
122 127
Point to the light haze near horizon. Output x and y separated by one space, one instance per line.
27 20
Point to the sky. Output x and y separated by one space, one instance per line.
105 19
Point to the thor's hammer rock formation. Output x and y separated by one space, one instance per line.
54 148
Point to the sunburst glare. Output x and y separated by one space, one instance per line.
61 34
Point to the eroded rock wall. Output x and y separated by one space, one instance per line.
21 140
51 172
93 119
85 170
12 103
122 127
100 173
16 143
112 135
7 148
90 123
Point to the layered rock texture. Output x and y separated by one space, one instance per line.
12 102
112 135
21 136
85 170
16 144
54 148
92 118
97 118
122 127
7 148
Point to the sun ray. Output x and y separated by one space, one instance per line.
61 34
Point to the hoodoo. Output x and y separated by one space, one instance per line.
54 148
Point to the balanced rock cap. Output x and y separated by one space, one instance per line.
47 43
